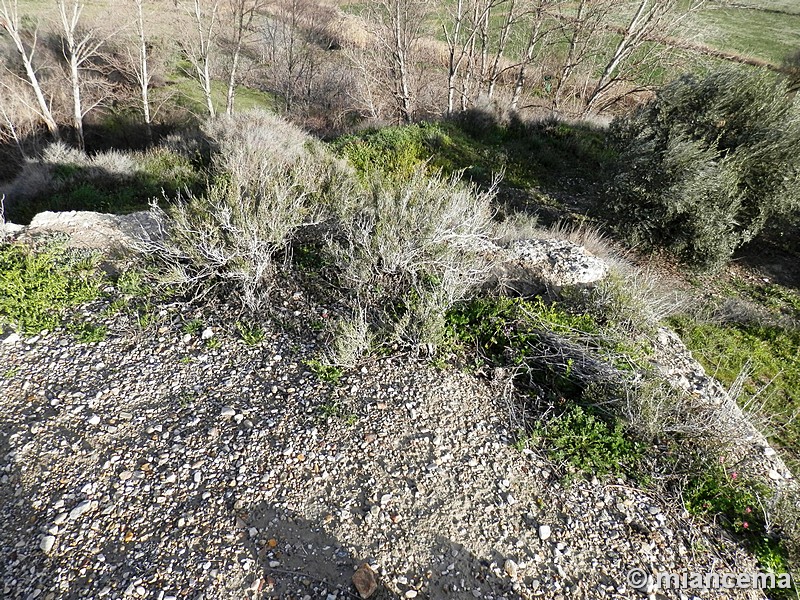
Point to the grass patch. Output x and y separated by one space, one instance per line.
768 355
529 154
110 182
752 31
39 286
325 372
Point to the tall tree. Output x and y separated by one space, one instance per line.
79 46
398 28
240 14
10 22
648 19
200 45
141 68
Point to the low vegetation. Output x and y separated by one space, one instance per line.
39 286
388 227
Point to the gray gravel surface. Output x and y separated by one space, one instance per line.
155 465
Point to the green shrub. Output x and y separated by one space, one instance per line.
37 287
703 166
394 152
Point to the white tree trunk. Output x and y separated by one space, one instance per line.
9 20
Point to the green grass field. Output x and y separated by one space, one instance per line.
755 30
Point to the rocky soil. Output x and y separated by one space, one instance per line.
151 465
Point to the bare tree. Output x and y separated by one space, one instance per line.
539 28
200 45
580 30
10 22
649 18
78 46
399 26
290 54
477 34
141 68
241 14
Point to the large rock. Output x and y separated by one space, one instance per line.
529 267
97 230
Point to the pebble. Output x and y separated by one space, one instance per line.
80 509
183 499
47 543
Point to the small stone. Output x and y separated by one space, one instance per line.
227 412
207 334
773 474
364 580
94 420
79 510
125 475
769 451
511 568
12 338
274 564
47 543
60 518
544 532
411 594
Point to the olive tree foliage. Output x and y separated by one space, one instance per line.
704 165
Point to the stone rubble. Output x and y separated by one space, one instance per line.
214 472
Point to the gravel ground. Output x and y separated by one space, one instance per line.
150 465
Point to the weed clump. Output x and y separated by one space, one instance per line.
38 286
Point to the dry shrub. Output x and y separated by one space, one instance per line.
270 181
408 255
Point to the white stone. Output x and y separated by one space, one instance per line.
47 543
94 420
227 412
511 569
207 334
12 338
544 532
79 510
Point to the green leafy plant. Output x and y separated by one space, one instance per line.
738 504
324 371
591 444
38 286
252 335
